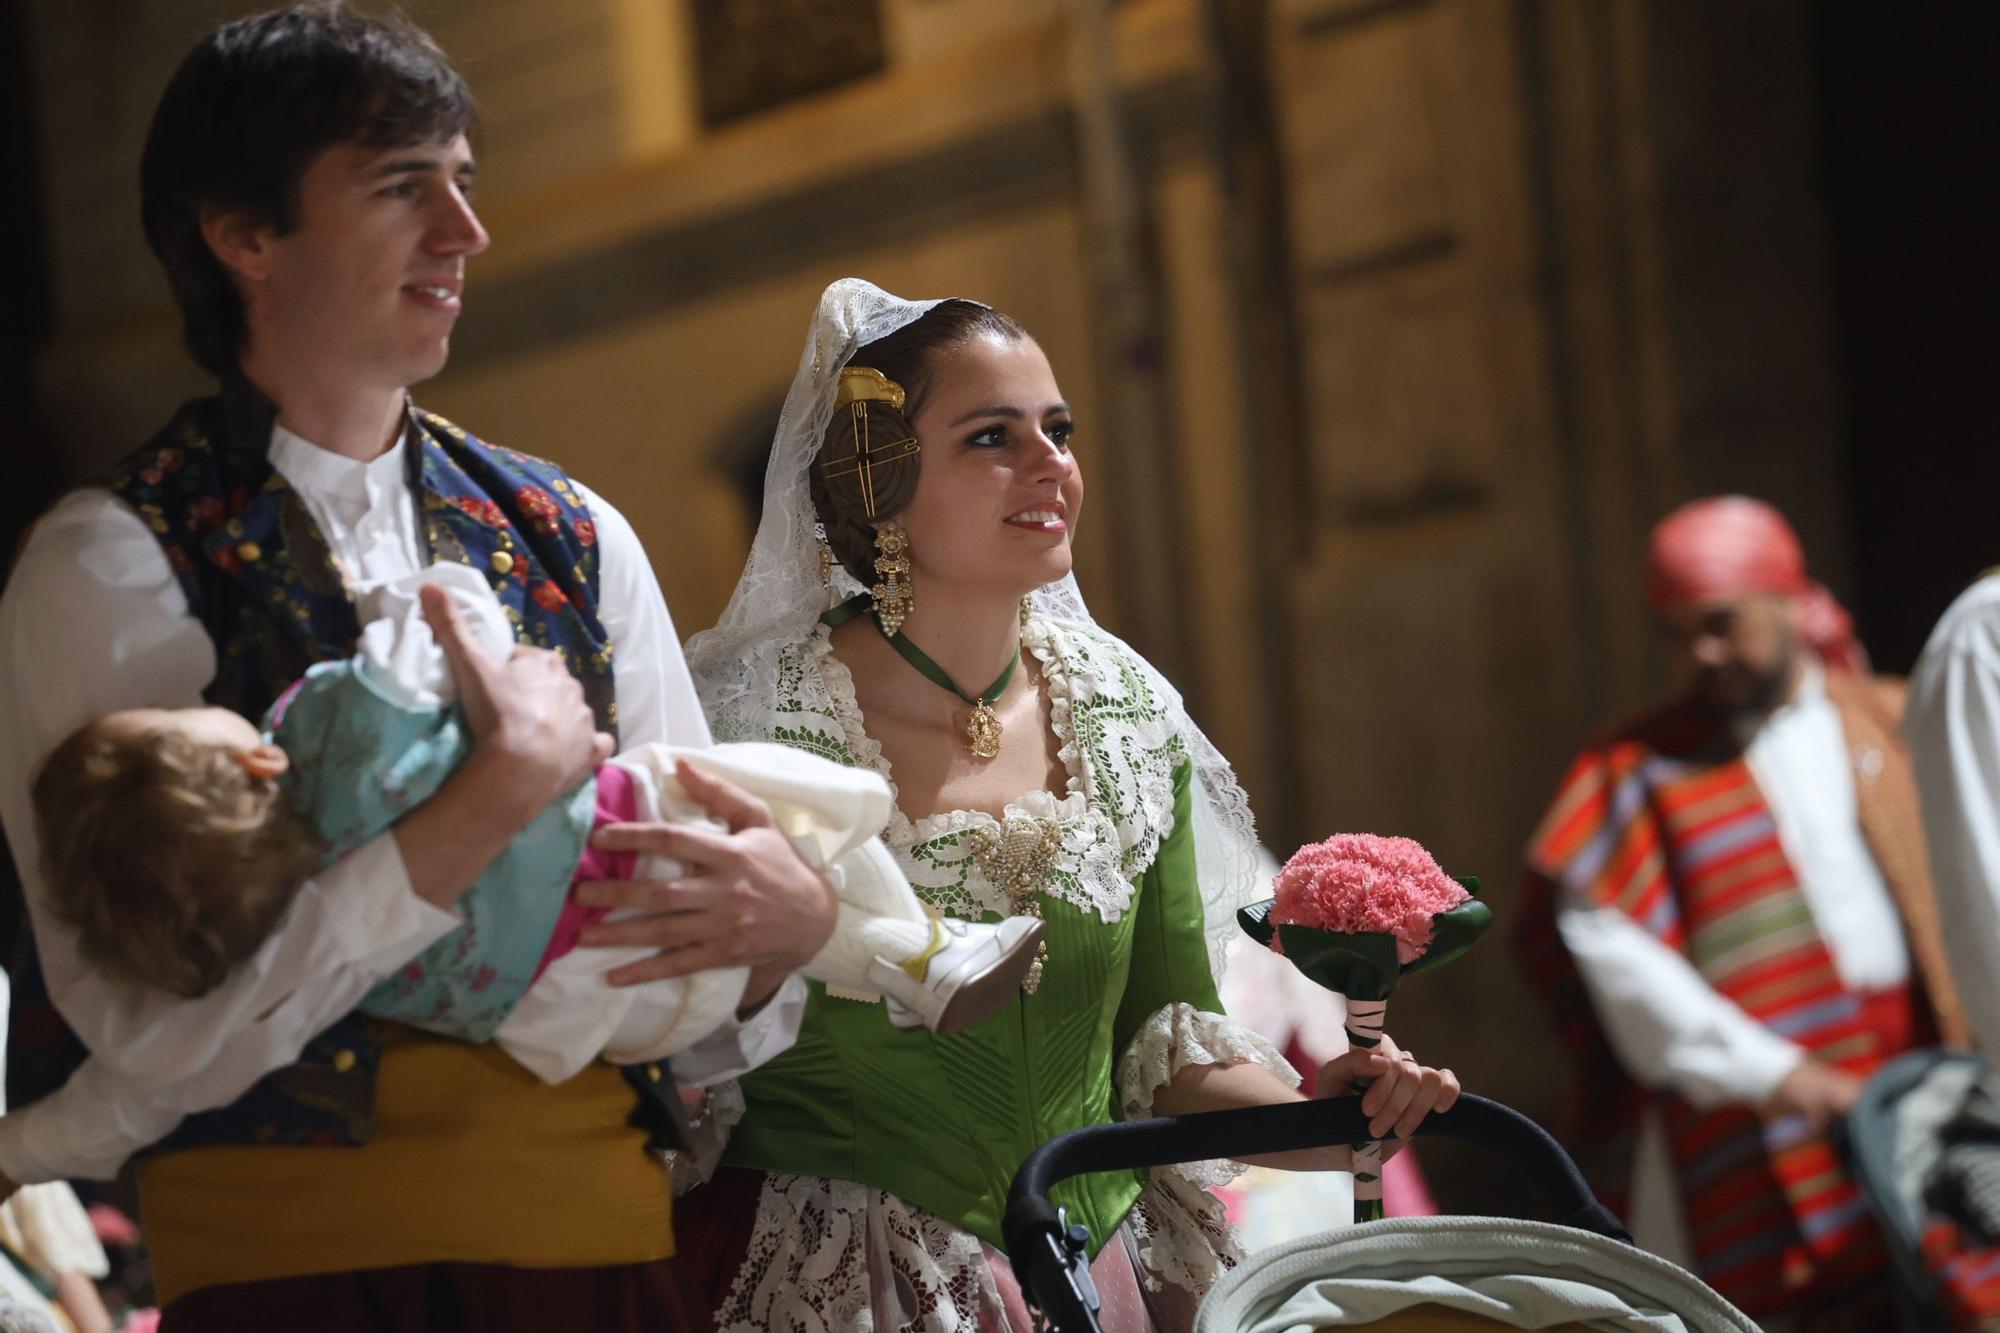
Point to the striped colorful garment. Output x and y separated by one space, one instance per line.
1663 820
1968 1275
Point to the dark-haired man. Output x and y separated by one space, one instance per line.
307 185
1738 879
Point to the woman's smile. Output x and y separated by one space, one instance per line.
1042 519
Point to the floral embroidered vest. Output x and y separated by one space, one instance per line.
260 577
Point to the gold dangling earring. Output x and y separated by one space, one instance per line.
893 597
1027 609
826 558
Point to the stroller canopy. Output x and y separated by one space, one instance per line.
1464 1273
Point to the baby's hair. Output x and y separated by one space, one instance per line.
169 860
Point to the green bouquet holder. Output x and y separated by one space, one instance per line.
1363 964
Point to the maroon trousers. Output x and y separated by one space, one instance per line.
447 1298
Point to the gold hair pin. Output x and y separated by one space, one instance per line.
859 383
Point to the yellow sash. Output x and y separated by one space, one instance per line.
474 1161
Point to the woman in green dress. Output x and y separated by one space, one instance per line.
908 607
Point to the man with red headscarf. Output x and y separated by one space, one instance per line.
1743 924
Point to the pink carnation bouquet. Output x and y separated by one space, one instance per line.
1354 913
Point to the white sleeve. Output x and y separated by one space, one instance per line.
656 697
93 621
82 1131
740 1045
657 703
1952 722
1668 1026
46 1226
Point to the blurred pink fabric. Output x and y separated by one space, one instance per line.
113 1227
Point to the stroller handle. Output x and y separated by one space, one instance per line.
1046 1257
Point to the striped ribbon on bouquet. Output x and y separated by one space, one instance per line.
1364 1030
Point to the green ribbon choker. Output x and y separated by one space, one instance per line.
982 729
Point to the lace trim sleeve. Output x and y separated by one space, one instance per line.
1175 1038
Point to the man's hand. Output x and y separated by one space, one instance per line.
745 899
533 739
526 711
1815 1091
1400 1091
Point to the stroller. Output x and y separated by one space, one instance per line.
1909 1115
1411 1274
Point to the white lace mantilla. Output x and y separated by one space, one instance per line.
1119 732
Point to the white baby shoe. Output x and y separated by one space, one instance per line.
970 972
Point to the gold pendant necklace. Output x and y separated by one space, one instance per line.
982 726
982 731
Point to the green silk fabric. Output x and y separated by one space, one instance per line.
945 1123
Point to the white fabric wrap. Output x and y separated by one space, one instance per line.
397 649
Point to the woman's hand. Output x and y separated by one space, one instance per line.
1400 1091
1400 1094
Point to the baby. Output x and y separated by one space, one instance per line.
180 837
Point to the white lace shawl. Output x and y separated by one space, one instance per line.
1118 739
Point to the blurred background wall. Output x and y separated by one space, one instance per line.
1392 325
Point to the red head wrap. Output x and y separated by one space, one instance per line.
1731 546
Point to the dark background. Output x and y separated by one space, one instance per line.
1910 183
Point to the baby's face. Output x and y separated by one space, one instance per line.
207 726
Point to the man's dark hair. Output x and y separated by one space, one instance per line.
250 108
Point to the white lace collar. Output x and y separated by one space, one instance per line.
904 832
1112 822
